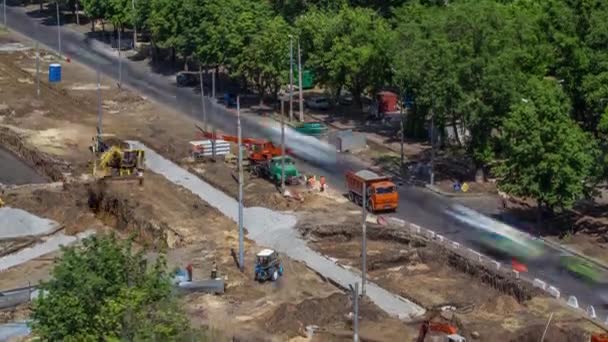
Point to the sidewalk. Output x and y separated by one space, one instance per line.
277 230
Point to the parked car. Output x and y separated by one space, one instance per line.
317 102
187 79
346 98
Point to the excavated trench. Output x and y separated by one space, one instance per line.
125 214
22 164
417 248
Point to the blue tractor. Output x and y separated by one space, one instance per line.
268 266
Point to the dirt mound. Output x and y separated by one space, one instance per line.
292 319
119 210
555 333
502 305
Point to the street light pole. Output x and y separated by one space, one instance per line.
364 240
37 70
239 133
58 29
200 72
432 180
282 153
290 77
401 167
119 61
355 298
134 24
300 82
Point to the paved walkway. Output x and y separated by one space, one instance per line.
277 230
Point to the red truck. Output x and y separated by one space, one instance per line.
381 191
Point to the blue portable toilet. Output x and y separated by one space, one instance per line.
54 73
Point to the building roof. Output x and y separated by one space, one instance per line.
265 252
368 175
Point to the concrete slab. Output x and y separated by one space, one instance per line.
16 222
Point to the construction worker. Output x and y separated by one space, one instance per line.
322 182
214 271
189 269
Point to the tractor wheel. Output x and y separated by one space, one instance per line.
275 275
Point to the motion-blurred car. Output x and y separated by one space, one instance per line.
317 102
187 79
583 269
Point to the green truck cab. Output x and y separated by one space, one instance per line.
272 170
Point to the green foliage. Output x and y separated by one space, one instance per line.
264 61
548 157
349 48
466 61
95 9
103 290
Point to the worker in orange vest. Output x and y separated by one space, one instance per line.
322 182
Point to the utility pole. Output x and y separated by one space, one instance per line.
134 24
355 298
238 129
282 154
401 167
37 70
200 73
99 112
300 82
290 77
58 28
119 61
77 10
213 84
364 241
432 180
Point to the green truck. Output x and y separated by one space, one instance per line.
271 170
314 129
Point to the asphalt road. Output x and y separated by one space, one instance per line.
416 205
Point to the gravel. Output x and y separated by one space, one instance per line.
277 230
16 222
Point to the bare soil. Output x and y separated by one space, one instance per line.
486 302
58 127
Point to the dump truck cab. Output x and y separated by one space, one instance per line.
380 192
272 170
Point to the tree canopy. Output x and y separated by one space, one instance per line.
103 290
465 63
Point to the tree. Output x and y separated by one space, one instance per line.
350 50
547 156
103 290
264 61
467 62
95 10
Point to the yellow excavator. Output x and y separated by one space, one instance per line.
116 162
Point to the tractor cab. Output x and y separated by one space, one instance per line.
268 266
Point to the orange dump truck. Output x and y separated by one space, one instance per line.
381 191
